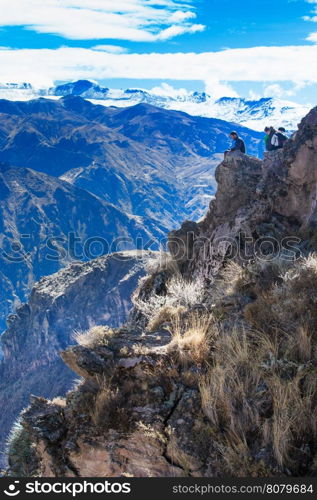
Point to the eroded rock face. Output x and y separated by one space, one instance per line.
141 395
139 410
80 296
299 167
46 223
255 200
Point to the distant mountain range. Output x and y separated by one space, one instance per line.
70 167
255 114
145 160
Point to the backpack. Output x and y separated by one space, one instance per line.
281 139
275 141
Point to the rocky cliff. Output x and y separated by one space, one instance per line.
73 300
75 170
215 374
258 206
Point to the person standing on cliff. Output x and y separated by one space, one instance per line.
238 144
276 139
266 138
273 141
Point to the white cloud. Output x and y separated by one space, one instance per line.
276 90
135 20
219 89
254 96
180 16
176 30
166 90
312 37
257 64
111 49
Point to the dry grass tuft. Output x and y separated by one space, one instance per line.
228 391
105 402
180 295
233 278
59 401
192 337
166 314
253 393
96 336
290 302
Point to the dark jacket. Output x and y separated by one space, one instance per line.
270 146
281 139
238 145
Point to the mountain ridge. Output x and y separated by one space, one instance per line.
133 142
46 223
252 113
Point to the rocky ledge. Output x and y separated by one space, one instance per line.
73 300
255 201
216 372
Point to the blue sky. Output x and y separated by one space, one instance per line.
59 40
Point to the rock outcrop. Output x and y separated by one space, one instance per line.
258 204
224 386
151 399
73 300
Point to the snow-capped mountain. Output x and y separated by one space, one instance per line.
255 114
259 113
82 88
18 91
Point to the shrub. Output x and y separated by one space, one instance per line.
21 452
98 335
185 293
162 261
180 295
192 337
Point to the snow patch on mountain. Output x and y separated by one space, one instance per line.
255 114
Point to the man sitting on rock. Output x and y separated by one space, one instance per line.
237 145
282 137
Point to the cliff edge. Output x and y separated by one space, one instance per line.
215 373
73 300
